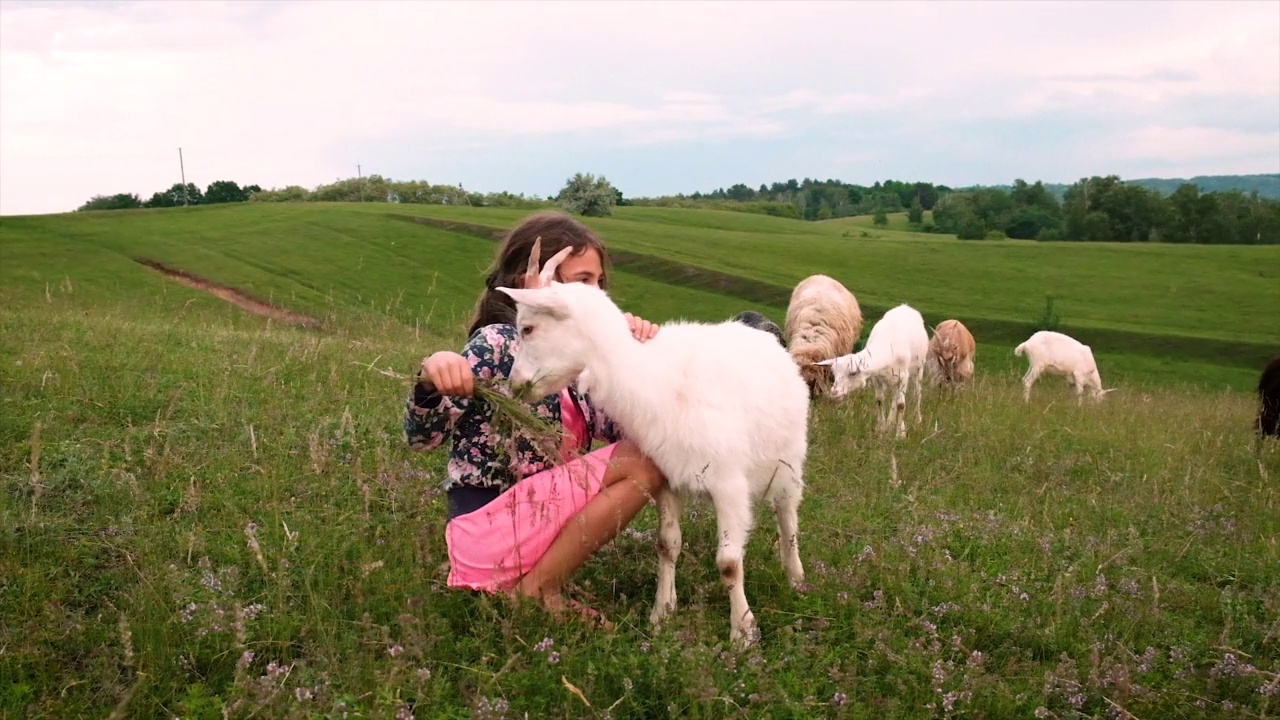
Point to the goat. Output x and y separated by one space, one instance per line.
720 409
951 353
823 322
1058 354
1269 399
892 360
753 319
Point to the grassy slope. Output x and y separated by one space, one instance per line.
1057 544
1154 313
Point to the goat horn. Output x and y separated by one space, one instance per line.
534 254
549 270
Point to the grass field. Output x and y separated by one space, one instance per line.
209 514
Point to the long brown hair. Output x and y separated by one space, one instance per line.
557 231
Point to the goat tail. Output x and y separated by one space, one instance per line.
1018 350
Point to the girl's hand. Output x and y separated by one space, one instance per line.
641 329
449 373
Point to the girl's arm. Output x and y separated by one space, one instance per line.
430 416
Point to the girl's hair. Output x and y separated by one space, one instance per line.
557 230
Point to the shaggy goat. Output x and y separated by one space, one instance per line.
951 353
823 322
1057 354
720 409
753 319
892 360
1269 399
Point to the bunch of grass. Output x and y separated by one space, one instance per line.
512 414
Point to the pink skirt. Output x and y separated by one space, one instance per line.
492 548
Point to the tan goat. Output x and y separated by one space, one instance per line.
951 353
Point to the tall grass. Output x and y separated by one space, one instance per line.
209 514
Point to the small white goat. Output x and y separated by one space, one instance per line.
823 322
892 361
720 409
1057 354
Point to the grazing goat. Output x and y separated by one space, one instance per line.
823 322
720 409
951 353
1269 398
753 319
892 360
1057 354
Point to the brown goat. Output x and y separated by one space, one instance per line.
951 353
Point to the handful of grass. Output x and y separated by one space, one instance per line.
511 418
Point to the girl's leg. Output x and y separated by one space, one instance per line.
630 481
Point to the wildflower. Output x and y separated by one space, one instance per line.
553 657
303 693
1043 712
395 650
544 645
839 699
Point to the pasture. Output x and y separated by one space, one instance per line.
208 513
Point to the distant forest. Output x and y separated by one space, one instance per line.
1229 209
1220 209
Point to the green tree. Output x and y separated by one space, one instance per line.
881 218
588 195
224 191
915 213
119 201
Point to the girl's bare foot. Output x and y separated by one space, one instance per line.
561 607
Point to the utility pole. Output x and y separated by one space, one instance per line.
184 177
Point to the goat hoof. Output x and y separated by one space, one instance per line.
659 614
745 636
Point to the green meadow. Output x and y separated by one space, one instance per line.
207 513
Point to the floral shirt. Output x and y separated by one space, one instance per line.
481 455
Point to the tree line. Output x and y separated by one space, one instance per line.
1092 209
219 191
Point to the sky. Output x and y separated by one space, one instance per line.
97 97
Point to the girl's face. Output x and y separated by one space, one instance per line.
585 268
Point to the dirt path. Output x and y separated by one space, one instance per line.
233 296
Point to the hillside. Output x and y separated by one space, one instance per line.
398 264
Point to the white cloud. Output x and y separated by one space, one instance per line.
96 98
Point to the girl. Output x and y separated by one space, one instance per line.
524 524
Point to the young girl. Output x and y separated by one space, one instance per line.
520 522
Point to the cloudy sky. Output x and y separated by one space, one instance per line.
96 97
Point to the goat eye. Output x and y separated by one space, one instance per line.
526 331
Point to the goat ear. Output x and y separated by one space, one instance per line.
539 299
826 363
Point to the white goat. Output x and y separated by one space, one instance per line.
1057 354
720 409
892 361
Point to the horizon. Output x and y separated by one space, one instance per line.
660 99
